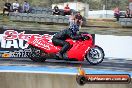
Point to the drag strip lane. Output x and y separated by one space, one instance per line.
107 64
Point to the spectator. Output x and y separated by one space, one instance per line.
117 13
78 19
71 19
56 10
26 7
7 7
128 12
67 10
20 9
15 6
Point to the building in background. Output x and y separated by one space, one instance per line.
83 8
101 14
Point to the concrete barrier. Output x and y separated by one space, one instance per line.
126 22
38 18
41 14
41 10
115 46
46 80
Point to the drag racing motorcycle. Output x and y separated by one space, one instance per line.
42 48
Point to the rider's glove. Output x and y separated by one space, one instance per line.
85 37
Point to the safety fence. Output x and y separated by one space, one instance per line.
41 10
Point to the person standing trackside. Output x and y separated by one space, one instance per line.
128 12
79 19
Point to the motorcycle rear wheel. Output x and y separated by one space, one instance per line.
36 54
95 55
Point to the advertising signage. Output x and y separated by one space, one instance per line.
13 42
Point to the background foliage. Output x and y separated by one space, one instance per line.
94 4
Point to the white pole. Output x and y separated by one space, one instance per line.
130 5
86 10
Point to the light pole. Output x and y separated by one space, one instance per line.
106 8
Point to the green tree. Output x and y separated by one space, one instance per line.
94 4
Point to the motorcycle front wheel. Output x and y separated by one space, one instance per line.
36 54
95 55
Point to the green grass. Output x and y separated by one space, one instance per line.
112 24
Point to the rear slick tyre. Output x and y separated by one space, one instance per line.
36 54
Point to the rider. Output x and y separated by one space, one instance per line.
60 37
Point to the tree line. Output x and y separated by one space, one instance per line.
99 4
93 4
